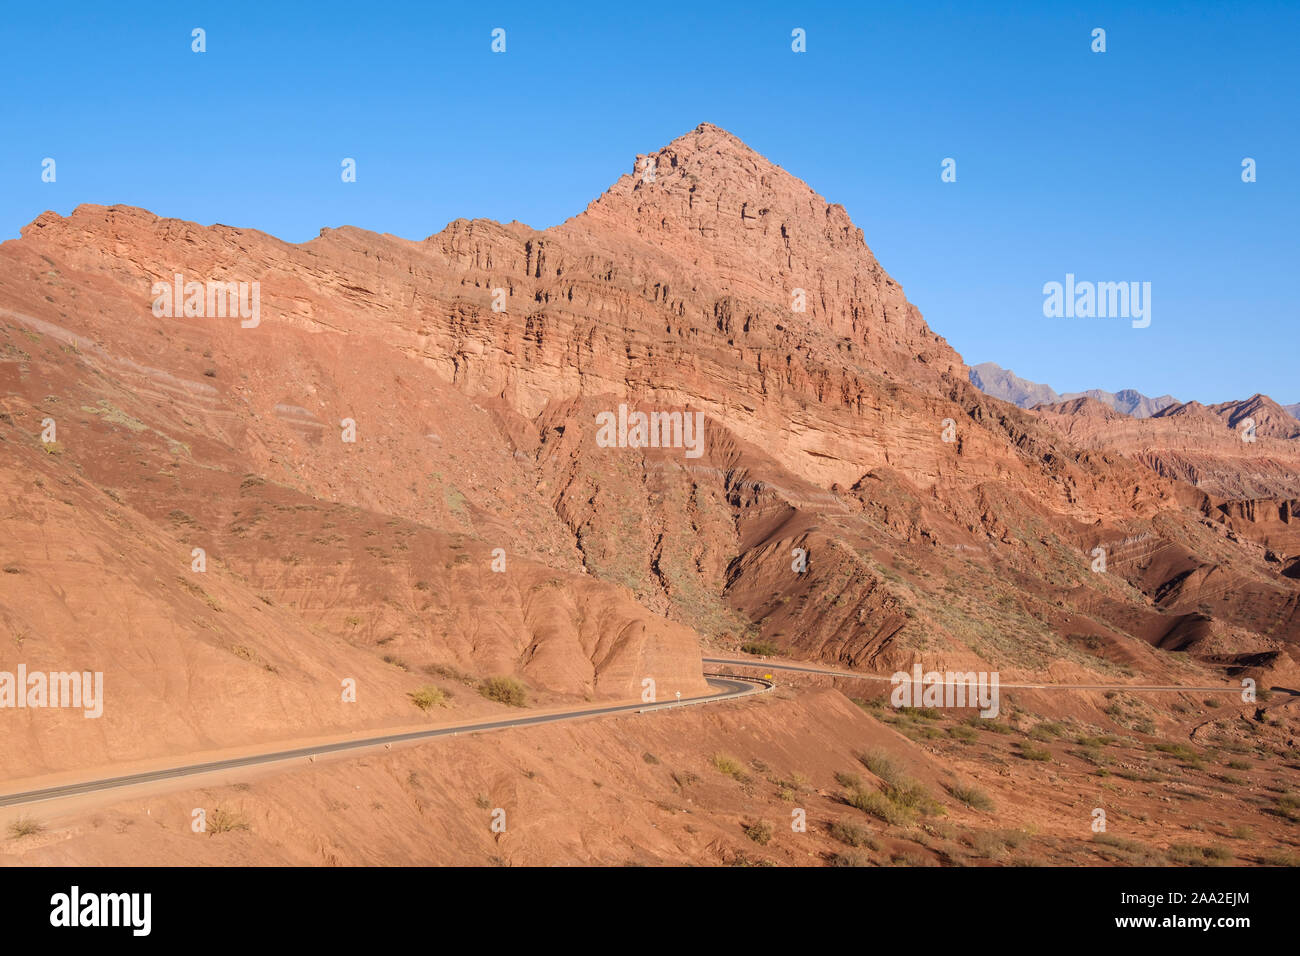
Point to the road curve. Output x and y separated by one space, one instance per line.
765 665
730 686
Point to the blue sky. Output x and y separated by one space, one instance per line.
1122 166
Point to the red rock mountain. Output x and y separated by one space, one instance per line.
938 524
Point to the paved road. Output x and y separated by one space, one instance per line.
728 687
765 665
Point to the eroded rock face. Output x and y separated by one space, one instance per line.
936 523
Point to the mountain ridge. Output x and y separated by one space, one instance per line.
993 379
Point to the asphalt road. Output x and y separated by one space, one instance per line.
765 665
729 687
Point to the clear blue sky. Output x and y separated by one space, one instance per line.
1116 166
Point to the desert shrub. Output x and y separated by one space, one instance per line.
729 766
987 723
1047 730
920 713
1030 752
1280 858
882 765
796 782
1199 855
853 835
429 697
24 826
880 806
224 821
971 796
913 796
760 832
1180 752
1118 842
504 690
1288 806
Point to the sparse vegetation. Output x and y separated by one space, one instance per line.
1047 730
901 800
760 648
730 766
25 826
1181 752
221 820
1200 855
1288 806
429 697
850 858
972 796
1030 752
882 765
450 673
684 779
760 832
1109 839
853 834
878 805
994 844
795 783
504 690
1280 858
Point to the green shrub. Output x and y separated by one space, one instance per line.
1180 752
913 796
880 806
